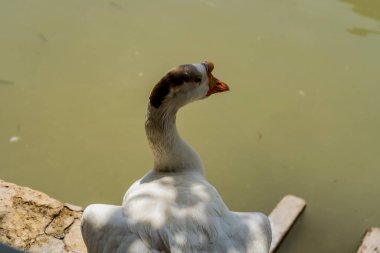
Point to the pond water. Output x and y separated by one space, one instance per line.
302 117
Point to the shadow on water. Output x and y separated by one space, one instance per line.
367 8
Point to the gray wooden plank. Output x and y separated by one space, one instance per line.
283 217
371 241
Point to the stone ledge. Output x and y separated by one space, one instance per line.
34 222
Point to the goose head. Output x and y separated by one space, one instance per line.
185 84
180 86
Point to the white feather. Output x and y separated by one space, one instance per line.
173 209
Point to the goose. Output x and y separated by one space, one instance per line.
173 208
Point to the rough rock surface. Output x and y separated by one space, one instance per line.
34 222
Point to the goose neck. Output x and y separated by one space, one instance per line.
171 153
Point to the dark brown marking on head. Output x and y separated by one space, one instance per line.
174 78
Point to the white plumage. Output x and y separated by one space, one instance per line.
173 209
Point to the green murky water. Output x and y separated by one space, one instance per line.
303 116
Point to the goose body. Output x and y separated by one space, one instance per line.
173 209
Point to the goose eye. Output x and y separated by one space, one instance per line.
198 80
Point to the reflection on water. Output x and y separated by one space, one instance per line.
302 116
362 32
368 8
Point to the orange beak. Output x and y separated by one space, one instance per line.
215 85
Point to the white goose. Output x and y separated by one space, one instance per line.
173 209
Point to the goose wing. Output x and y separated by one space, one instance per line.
105 229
